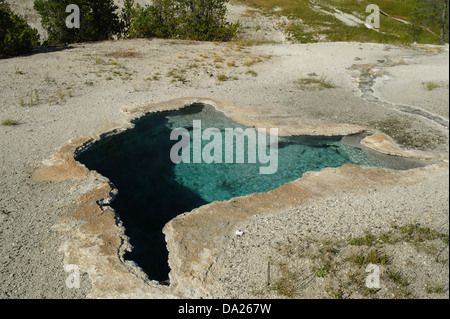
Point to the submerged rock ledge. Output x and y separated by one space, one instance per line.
96 241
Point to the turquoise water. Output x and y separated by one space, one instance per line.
153 190
296 156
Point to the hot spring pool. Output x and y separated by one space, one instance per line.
153 190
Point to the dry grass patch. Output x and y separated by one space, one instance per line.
339 266
122 54
222 77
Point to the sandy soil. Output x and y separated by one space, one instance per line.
82 90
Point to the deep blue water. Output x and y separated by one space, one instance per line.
153 190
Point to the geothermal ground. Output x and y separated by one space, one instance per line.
311 238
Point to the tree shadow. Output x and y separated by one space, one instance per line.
49 49
40 50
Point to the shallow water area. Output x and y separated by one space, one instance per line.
153 190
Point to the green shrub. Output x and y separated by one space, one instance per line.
98 20
158 20
205 20
202 20
16 36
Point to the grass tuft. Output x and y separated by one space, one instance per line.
10 122
367 240
432 85
374 256
398 278
322 272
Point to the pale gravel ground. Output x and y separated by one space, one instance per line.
408 81
338 218
30 265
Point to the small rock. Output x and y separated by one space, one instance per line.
239 233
